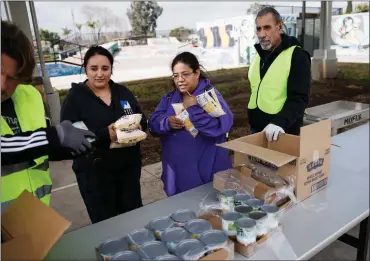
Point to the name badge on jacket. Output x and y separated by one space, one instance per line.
126 107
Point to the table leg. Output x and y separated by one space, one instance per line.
362 242
363 245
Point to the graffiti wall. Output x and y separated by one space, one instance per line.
350 30
236 35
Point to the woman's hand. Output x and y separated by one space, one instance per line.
175 123
189 101
112 133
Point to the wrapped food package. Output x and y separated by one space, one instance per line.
130 137
184 116
210 104
128 122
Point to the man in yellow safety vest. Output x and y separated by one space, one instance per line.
280 79
26 140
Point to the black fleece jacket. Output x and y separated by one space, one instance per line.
290 118
81 104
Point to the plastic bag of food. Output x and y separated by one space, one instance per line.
81 125
210 104
178 108
128 122
184 116
129 137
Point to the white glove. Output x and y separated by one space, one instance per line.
272 132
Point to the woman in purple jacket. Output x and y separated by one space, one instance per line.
189 162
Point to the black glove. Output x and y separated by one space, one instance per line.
74 138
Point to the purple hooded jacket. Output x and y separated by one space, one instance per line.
190 162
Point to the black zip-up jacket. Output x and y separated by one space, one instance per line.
290 118
81 104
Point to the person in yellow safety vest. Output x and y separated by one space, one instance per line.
280 79
26 140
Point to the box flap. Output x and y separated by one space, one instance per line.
315 136
20 248
277 158
286 143
27 215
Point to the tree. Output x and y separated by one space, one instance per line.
362 8
52 37
143 17
181 33
349 7
101 18
66 32
255 7
92 26
79 28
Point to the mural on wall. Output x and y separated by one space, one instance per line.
236 34
350 30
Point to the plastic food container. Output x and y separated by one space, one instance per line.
126 256
246 231
172 236
272 221
228 220
152 250
190 249
226 198
243 210
182 216
159 225
197 226
167 257
241 199
260 217
255 203
213 240
110 247
139 237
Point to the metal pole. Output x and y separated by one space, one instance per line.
52 97
7 13
303 31
322 25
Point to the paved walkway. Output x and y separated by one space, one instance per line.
67 201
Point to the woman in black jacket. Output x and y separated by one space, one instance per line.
109 179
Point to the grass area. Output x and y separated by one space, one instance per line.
228 82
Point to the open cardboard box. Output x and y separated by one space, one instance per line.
29 229
305 158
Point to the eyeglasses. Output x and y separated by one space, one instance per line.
184 75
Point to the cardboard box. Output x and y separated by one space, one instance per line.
29 229
305 159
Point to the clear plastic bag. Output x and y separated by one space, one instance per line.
128 122
210 103
184 116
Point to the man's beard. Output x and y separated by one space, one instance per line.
266 47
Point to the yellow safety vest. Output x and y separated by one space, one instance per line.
33 175
270 94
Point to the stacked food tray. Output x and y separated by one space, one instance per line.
180 236
247 221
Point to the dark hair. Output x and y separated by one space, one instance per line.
16 45
270 10
190 60
97 50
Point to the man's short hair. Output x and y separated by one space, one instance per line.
269 9
16 45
